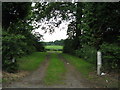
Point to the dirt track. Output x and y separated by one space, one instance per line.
35 79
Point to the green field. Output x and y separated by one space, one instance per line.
54 47
31 62
55 71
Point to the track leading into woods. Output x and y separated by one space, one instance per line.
35 79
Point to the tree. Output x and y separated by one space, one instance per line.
92 26
18 39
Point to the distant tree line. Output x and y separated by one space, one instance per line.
56 42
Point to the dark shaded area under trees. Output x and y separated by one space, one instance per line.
56 42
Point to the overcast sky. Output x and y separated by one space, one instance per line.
60 33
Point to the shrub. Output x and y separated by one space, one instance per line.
12 48
111 56
88 53
39 46
68 46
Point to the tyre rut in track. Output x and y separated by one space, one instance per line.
34 80
73 77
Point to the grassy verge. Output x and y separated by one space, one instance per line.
31 62
55 71
26 64
84 67
88 71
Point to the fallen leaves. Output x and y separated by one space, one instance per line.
8 77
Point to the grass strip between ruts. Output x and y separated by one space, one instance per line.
55 71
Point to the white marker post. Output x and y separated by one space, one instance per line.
99 63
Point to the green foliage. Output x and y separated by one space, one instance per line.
57 42
39 46
11 49
111 56
87 53
55 71
14 46
91 25
68 46
18 39
98 24
13 12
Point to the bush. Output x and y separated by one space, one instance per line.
13 47
68 46
39 46
88 53
10 66
111 56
